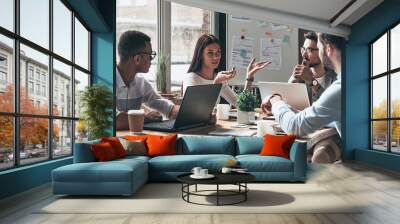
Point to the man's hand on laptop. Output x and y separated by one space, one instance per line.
174 112
266 105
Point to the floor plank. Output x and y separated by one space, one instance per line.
376 189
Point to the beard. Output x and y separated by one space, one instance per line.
327 61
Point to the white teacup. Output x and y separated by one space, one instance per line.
223 111
203 172
196 171
226 170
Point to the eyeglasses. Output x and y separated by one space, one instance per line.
151 55
214 54
309 50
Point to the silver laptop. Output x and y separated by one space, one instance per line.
295 94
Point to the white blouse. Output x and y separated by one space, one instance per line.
192 79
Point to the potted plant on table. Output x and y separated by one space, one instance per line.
96 102
246 103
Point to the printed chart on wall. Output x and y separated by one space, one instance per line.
271 50
242 51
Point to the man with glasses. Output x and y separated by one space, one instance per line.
135 54
326 111
312 71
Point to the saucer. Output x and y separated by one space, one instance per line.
208 176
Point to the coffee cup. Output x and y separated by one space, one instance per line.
136 120
203 172
223 111
263 127
226 170
196 171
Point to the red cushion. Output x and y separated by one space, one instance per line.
103 151
116 145
161 145
277 145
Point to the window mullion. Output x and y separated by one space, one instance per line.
164 35
50 81
16 83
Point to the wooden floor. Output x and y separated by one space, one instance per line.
378 188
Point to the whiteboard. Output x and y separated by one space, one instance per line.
284 44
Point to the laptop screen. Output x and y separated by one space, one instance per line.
197 105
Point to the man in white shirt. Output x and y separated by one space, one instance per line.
325 111
135 53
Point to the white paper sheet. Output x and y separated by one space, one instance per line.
271 50
242 51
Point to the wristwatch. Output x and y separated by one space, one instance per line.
250 79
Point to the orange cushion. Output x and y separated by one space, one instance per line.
161 145
277 145
136 137
103 151
116 145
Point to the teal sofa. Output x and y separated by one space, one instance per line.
125 176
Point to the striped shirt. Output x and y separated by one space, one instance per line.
139 90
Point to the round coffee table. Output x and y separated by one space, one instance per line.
238 179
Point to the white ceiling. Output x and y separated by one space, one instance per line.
308 14
319 9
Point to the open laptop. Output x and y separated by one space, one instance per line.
195 110
295 94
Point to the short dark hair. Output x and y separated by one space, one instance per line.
311 36
202 43
130 43
336 41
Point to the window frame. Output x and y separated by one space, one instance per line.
15 68
388 74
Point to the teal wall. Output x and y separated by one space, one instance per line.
357 85
99 16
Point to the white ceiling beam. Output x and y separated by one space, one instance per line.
269 15
348 12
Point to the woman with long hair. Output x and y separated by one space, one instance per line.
204 68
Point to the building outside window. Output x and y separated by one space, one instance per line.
385 96
34 68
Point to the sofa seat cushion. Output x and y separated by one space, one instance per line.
112 171
185 163
257 163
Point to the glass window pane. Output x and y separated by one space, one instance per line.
81 45
33 139
379 98
81 131
6 74
379 55
395 136
34 72
142 16
81 81
395 47
35 21
6 142
395 95
62 141
62 29
7 14
62 89
379 135
187 25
